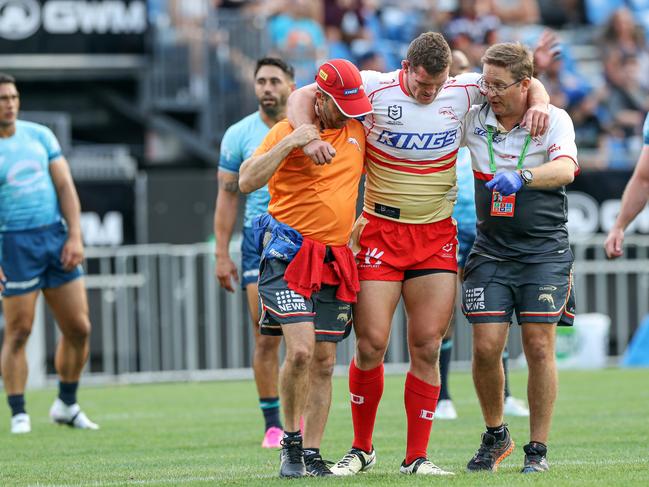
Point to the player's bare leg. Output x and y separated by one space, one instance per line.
489 340
265 366
429 302
69 304
373 313
538 345
265 362
19 318
317 406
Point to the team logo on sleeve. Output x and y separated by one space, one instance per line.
395 112
353 141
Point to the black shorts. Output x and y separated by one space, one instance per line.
539 293
279 306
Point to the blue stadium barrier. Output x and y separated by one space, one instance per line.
637 353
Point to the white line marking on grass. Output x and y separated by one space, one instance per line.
174 481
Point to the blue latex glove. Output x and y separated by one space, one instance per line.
506 182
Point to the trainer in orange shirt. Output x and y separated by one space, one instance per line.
307 275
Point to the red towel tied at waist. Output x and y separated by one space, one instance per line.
308 271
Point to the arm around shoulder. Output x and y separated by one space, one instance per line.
257 170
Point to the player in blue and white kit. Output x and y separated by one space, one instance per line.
274 81
40 250
634 199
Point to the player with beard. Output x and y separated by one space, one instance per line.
274 81
406 240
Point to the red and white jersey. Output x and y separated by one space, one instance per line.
412 148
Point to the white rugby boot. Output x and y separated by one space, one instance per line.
20 424
72 415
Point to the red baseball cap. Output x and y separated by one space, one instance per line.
342 81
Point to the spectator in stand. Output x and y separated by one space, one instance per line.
299 38
516 11
345 28
623 36
188 20
473 28
626 104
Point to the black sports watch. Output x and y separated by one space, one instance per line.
527 177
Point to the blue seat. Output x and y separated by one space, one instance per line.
599 11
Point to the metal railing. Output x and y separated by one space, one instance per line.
159 314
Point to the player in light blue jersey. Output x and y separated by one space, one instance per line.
274 81
40 250
464 215
634 199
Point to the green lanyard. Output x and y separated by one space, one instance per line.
490 144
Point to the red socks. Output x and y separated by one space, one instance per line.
421 400
366 389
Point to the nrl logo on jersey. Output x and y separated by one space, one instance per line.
395 112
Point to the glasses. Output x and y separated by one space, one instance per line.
497 88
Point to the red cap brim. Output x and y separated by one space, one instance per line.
352 107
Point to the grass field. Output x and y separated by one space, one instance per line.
209 434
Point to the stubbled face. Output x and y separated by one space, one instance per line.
272 88
505 94
328 113
423 86
9 104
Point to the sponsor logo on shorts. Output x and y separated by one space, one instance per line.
547 298
427 415
548 288
356 399
251 273
22 284
474 299
342 317
290 301
373 254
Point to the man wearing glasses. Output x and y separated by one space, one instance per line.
521 260
405 240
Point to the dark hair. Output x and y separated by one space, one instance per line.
277 62
431 51
7 78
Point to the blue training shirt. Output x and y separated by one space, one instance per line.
239 143
464 211
28 198
645 130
